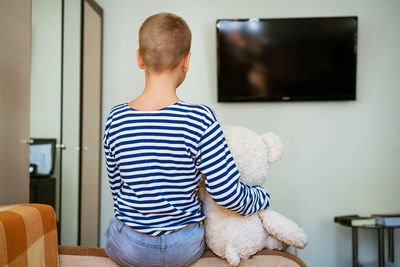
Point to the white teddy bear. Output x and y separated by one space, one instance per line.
233 236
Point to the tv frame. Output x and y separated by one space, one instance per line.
351 96
46 141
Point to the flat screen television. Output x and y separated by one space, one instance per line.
290 59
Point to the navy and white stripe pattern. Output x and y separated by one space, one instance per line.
154 163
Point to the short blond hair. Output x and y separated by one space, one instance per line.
164 39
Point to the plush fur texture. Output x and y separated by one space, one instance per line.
233 236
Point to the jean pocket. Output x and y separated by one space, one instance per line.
198 230
139 239
193 230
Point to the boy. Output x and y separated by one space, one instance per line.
157 148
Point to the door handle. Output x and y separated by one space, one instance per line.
61 146
27 141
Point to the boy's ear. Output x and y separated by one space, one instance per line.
185 62
139 59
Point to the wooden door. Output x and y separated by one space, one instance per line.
15 62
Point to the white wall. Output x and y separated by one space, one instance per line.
71 123
46 69
45 110
340 157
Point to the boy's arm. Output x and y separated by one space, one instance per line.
215 161
114 177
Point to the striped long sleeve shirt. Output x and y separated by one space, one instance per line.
155 160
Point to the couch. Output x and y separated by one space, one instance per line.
28 237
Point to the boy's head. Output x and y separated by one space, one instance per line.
164 40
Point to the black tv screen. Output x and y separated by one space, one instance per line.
287 59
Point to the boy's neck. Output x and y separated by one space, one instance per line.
159 91
161 85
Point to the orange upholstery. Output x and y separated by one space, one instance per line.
28 236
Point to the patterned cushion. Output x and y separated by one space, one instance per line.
28 236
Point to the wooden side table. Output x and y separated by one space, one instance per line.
381 242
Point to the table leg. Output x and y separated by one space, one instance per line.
381 247
355 246
391 246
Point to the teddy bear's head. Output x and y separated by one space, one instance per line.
252 153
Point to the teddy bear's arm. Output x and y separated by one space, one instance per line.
283 229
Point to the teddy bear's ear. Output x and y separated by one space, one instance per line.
274 146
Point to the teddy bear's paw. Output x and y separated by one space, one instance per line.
299 239
295 237
232 255
283 228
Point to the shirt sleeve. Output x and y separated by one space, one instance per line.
215 161
112 167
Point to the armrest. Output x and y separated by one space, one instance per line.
28 235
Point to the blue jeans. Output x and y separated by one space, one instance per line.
130 248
